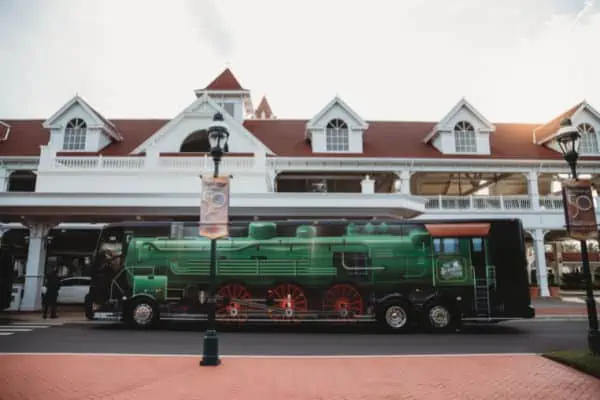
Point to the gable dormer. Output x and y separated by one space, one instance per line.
264 111
464 130
228 93
337 128
584 118
77 126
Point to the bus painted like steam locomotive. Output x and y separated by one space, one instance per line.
434 274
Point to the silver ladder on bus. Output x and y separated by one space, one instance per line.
483 288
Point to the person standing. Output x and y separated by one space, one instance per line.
51 296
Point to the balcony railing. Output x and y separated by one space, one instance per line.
499 203
162 162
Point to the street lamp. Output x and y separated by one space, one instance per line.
568 139
217 138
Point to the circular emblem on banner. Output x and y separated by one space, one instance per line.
584 203
218 199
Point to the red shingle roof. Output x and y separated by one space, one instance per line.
225 81
26 136
287 139
398 139
550 128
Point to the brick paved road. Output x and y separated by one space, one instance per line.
459 377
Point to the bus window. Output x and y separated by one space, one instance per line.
446 246
477 244
450 246
437 246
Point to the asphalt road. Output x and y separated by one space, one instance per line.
186 338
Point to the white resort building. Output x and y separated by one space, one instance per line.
75 169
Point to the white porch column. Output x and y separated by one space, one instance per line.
35 269
152 159
540 261
533 189
4 175
558 258
404 178
367 185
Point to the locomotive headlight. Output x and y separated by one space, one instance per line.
458 298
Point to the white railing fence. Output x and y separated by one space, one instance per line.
522 202
86 163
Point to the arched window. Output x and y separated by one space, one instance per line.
75 135
21 181
589 139
465 140
197 142
337 137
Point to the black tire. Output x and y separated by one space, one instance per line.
394 316
439 316
89 310
142 313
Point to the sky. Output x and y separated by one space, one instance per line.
514 60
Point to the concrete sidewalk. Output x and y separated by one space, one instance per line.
461 377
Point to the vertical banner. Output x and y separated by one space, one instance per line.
214 207
580 213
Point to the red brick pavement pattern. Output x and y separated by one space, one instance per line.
543 311
78 377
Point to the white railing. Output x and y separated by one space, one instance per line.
86 163
500 203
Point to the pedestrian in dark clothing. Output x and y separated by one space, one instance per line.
51 296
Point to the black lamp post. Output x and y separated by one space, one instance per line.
217 137
568 139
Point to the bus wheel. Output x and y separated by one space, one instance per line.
289 299
231 294
143 313
438 316
394 316
89 310
344 300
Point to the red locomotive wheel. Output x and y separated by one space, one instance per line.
233 292
343 299
288 296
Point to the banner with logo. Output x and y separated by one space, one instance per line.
580 213
214 207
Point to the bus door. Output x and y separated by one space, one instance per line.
477 248
6 277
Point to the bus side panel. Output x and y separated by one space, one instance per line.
6 278
508 255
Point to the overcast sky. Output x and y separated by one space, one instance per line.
514 60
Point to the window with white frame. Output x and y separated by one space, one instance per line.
75 135
589 139
465 140
337 136
229 108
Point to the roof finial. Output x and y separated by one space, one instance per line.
228 63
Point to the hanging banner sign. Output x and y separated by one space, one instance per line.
580 213
214 207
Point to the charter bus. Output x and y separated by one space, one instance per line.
432 274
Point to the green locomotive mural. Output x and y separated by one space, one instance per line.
306 273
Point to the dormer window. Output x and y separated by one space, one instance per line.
75 135
229 107
589 139
337 136
465 140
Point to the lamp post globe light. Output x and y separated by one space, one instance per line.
217 137
568 139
